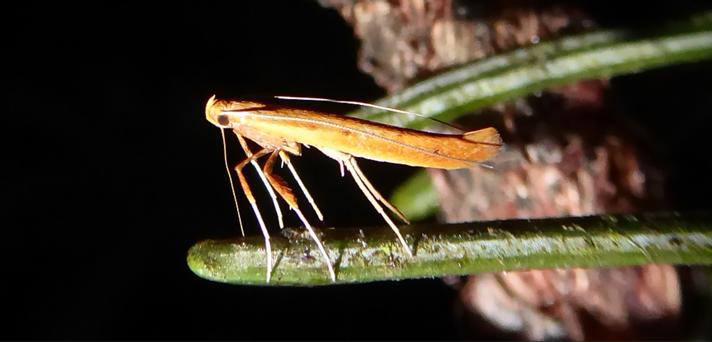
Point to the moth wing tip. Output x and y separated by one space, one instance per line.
487 135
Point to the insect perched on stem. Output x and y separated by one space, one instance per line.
281 131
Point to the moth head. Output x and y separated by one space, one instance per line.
213 110
223 113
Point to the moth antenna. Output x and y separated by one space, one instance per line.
232 184
364 104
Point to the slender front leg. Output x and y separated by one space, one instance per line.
291 200
248 193
248 152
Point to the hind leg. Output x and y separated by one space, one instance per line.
350 163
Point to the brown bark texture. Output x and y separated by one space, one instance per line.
567 154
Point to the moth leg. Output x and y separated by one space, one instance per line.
253 203
286 160
246 148
376 193
354 170
281 187
358 176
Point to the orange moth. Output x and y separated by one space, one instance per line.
281 132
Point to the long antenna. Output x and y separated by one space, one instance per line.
232 184
364 104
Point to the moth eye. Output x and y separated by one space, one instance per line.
223 120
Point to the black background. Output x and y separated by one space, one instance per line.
112 172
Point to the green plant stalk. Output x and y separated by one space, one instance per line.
528 70
491 65
364 255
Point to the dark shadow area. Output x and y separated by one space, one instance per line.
113 171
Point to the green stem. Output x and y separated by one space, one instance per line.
528 70
363 255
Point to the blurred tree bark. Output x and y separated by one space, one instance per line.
568 153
